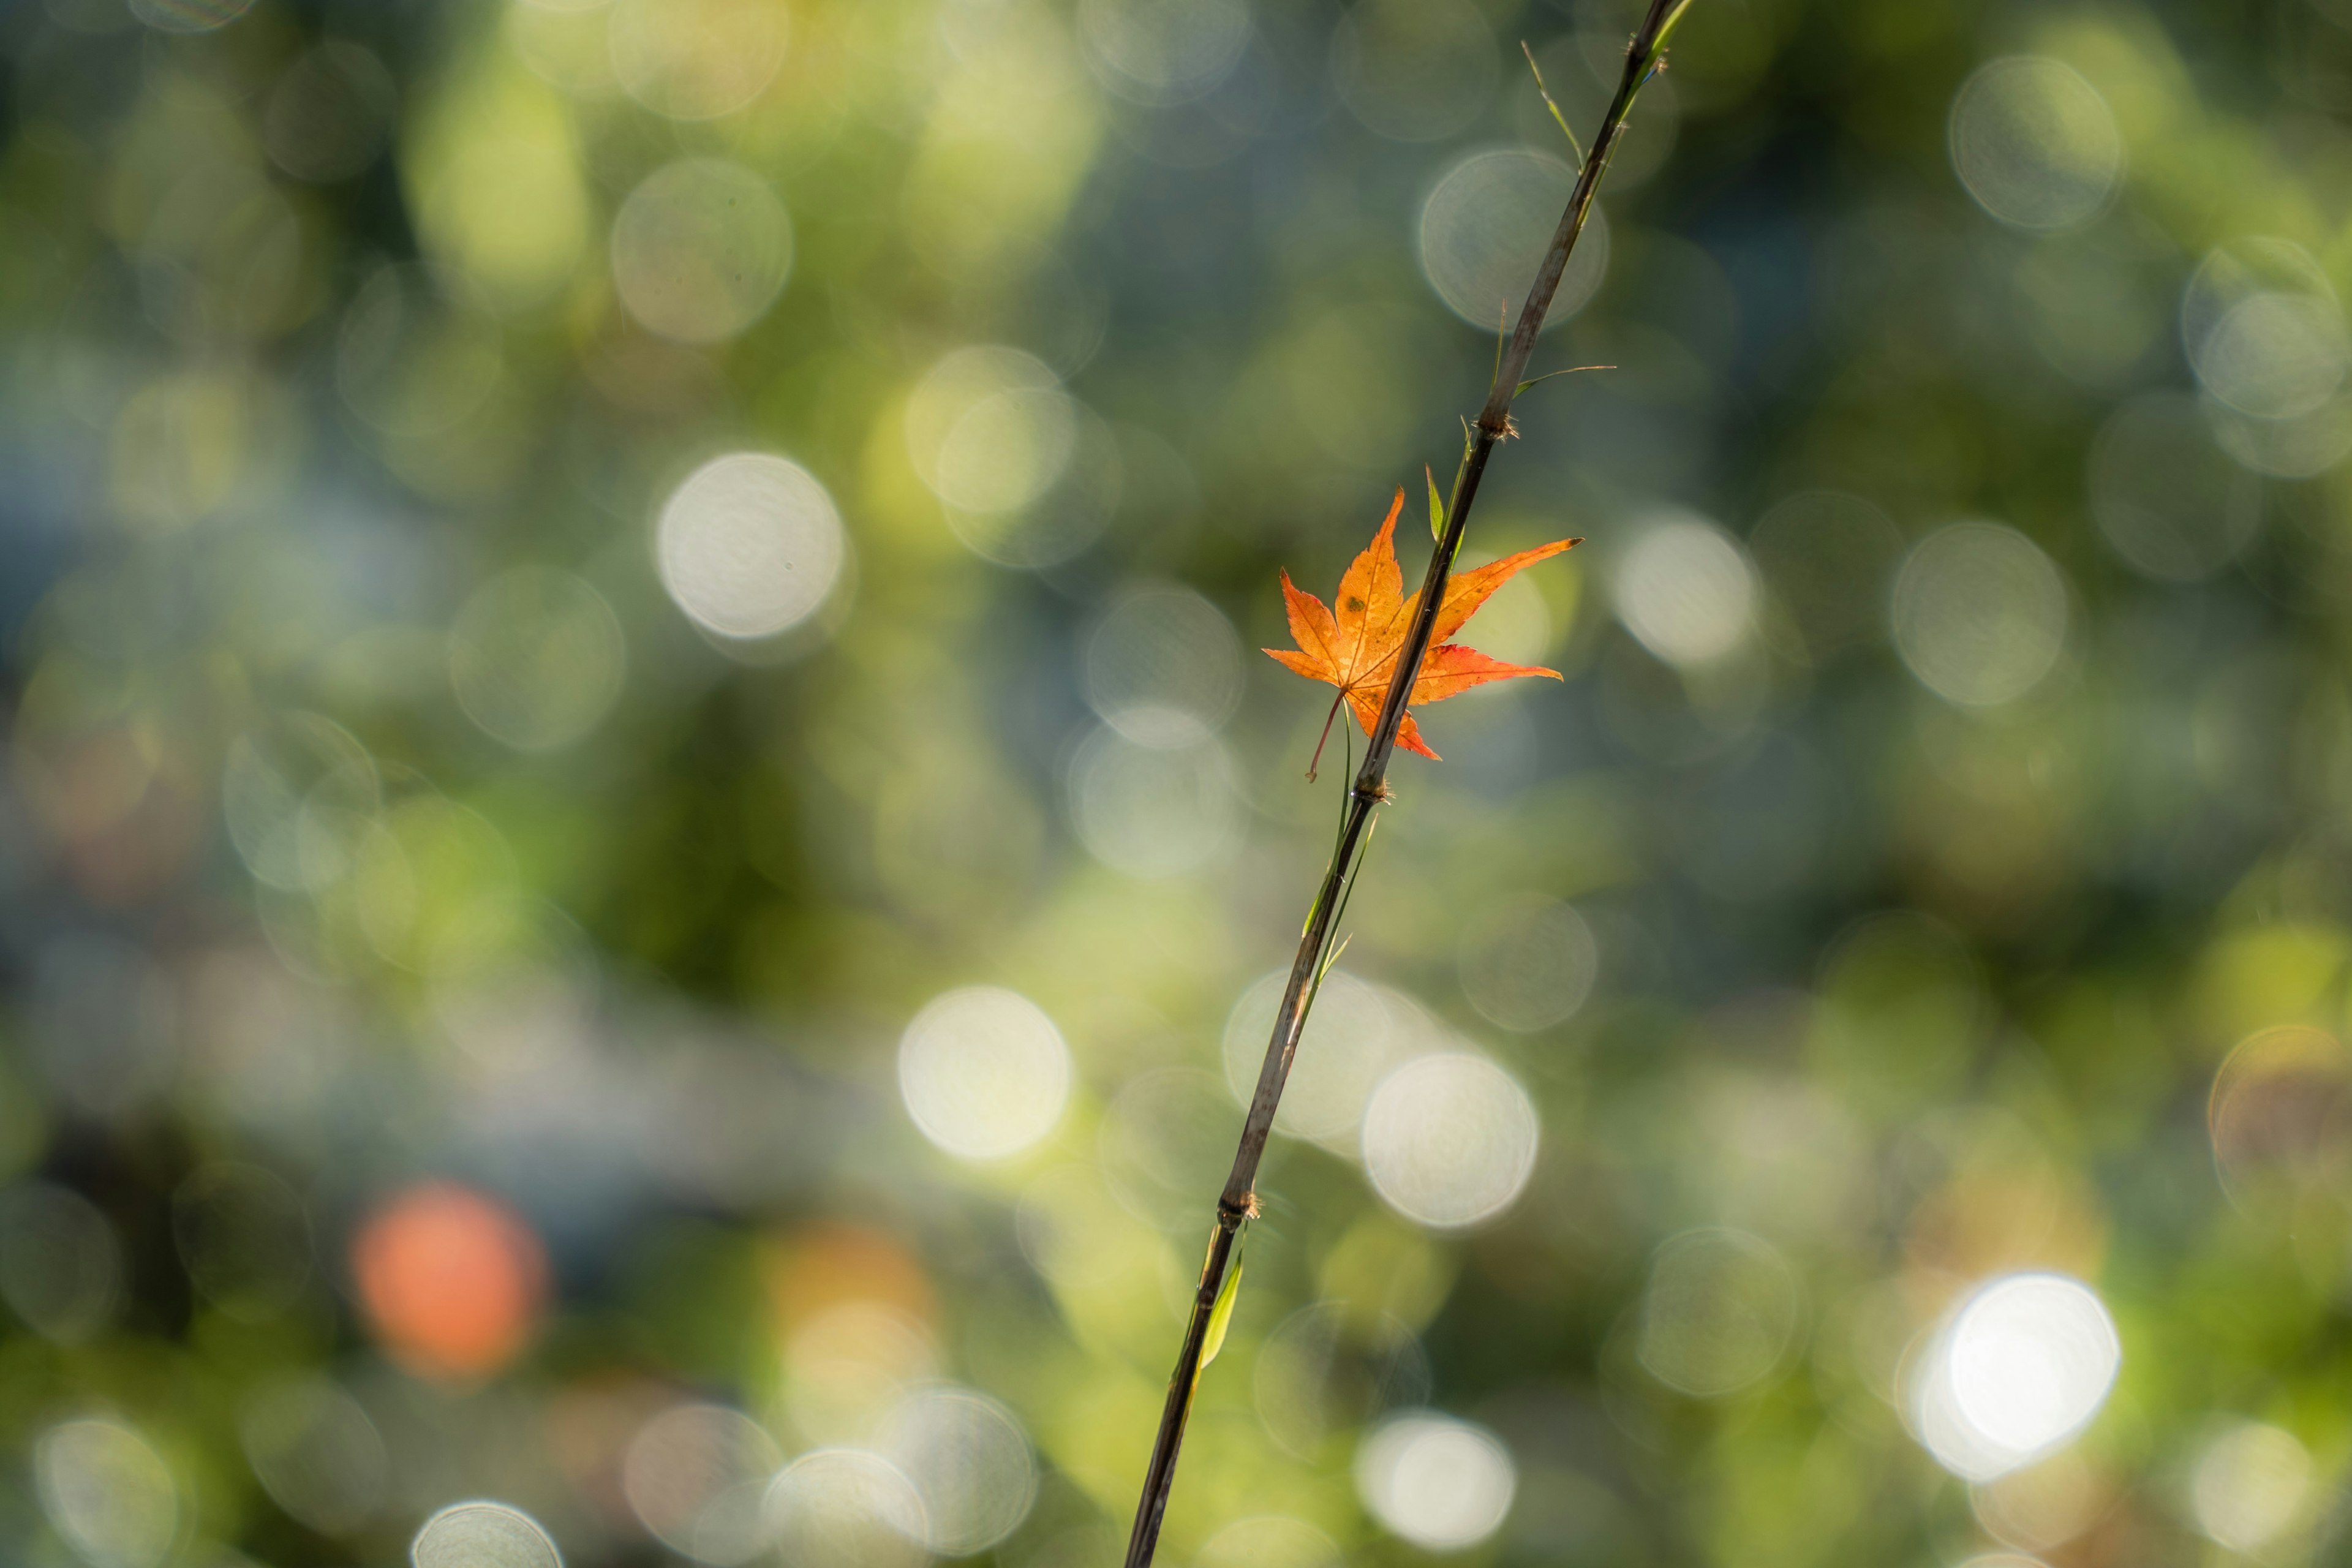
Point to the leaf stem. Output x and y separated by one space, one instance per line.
1238 1202
1313 761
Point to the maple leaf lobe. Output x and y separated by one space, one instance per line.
1358 653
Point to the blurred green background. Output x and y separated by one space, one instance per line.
641 830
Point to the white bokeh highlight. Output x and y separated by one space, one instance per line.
2014 1375
1449 1140
697 1476
749 546
2264 330
969 1461
846 1508
1979 614
2035 143
983 1073
483 1535
1685 589
1441 1484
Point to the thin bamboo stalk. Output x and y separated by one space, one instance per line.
1645 55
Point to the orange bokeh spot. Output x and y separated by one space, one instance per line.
452 1280
826 1264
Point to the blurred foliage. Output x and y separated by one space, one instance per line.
640 826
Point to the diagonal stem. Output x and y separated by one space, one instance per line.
1645 54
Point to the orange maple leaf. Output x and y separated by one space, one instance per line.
1356 649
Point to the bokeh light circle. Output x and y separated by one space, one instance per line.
846 1508
700 249
1440 1483
2250 1484
1154 811
318 1454
1449 1140
452 1280
749 546
2275 356
1483 229
991 429
2035 143
847 1364
2279 1117
483 1534
1979 614
697 1476
1164 51
968 1459
696 59
984 1072
2012 1376
2046 1505
107 1492
1686 592
1162 667
287 789
1025 475
2265 331
537 658
1527 963
2301 447
1717 1314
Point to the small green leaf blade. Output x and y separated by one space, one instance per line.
1221 1316
1436 505
1558 118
